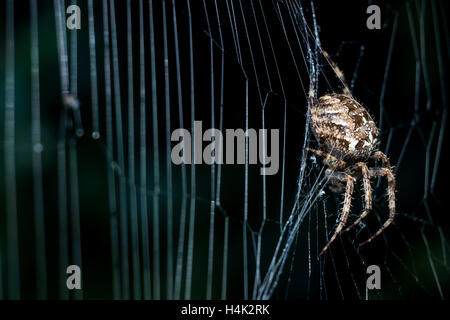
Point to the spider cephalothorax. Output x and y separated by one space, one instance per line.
348 140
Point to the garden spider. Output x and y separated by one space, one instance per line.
348 140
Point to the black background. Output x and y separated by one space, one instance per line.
400 252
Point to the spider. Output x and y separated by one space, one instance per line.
348 141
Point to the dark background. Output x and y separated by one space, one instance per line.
400 251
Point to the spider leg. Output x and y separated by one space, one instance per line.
384 159
329 159
345 208
367 194
312 94
338 72
391 195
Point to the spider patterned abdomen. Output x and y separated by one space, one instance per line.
344 128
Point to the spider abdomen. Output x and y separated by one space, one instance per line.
344 128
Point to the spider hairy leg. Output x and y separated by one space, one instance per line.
384 159
367 194
338 72
330 160
311 94
385 172
346 207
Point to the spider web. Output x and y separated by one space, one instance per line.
141 227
